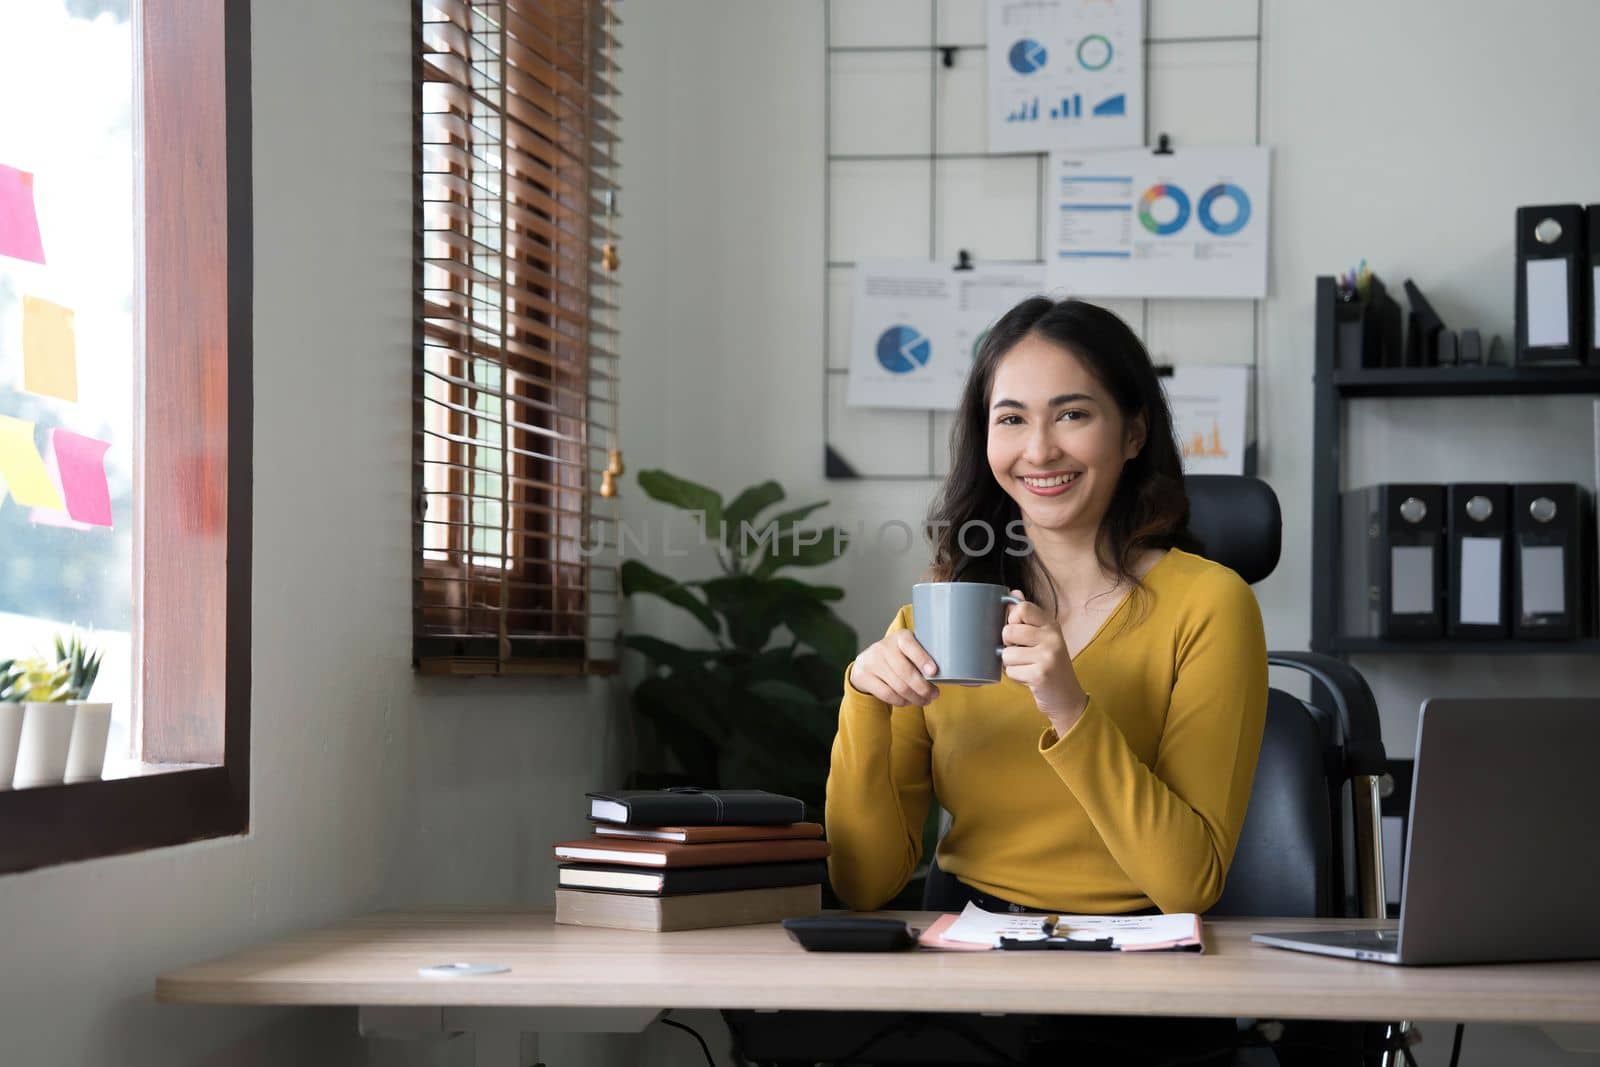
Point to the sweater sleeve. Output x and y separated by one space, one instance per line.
1173 827
879 787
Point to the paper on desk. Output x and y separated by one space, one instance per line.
974 926
1131 933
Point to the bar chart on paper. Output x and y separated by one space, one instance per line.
1065 75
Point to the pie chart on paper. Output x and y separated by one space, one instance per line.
902 349
1027 56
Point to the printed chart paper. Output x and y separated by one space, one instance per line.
1065 74
917 327
1209 405
1134 223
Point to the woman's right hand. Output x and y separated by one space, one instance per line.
892 670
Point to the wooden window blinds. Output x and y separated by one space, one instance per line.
515 412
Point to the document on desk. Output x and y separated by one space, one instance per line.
977 928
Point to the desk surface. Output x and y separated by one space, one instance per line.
373 961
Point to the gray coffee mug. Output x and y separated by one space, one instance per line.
959 625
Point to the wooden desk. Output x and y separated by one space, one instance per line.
621 980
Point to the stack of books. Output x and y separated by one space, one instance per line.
691 859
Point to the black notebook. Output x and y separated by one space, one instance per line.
691 879
687 806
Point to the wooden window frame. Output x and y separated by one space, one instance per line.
192 644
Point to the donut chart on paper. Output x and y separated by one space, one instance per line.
1154 195
1027 56
1208 202
902 349
1095 52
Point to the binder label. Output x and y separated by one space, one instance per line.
1480 581
1543 581
1411 584
1548 323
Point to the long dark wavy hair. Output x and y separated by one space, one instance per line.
1149 509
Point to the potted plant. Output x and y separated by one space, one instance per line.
11 713
754 703
63 736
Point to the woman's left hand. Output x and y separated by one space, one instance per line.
1036 655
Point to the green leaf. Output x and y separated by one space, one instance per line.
816 625
666 653
800 710
690 496
776 689
684 723
762 536
788 588
638 578
746 506
823 678
744 603
789 551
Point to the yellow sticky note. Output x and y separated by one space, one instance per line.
49 352
22 469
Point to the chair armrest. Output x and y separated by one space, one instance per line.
1352 702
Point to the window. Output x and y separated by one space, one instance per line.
516 427
161 324
66 337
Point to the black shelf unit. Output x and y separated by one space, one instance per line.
1332 387
1466 381
1345 646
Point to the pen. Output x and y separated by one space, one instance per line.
1048 924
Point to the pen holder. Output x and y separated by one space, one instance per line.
1366 333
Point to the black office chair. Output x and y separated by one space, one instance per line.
1314 808
1299 829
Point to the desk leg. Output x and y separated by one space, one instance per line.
502 1037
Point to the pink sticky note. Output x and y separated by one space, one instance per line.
19 223
79 463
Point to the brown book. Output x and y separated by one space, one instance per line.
696 911
696 835
677 854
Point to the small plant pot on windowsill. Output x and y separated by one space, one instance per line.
86 752
10 740
62 736
46 737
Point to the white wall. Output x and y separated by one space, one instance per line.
370 787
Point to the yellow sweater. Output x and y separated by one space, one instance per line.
1139 804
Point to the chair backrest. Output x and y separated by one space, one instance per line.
1284 862
1237 520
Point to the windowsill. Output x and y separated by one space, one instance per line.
118 770
132 768
152 805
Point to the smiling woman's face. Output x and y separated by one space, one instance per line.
1057 441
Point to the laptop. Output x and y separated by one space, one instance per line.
1504 859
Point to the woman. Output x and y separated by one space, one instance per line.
1109 770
